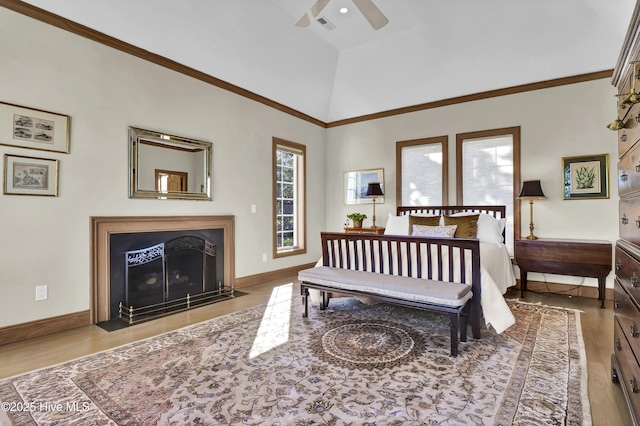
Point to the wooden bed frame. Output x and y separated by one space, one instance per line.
345 268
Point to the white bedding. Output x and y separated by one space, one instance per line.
497 275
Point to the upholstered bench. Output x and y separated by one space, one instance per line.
418 293
354 269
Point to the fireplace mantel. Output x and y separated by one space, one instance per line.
103 226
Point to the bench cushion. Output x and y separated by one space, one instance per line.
416 289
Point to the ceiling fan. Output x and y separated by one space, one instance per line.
369 10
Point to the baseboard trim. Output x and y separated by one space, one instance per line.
270 276
568 289
28 330
41 327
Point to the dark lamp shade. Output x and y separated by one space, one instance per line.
531 190
374 190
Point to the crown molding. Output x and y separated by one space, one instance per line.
478 96
91 34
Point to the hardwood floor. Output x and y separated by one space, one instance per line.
607 400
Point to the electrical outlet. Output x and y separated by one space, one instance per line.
264 257
41 292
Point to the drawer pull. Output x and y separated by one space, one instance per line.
624 219
634 385
638 118
624 176
618 264
634 330
618 344
623 138
638 222
634 279
637 168
616 303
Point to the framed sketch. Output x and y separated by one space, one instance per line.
356 184
30 176
34 129
586 177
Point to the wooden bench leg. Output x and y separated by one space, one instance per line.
475 313
324 300
454 333
464 316
305 301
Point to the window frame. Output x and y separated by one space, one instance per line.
514 132
300 194
444 140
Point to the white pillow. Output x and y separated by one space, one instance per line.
489 228
434 231
397 225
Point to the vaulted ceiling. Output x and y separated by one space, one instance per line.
430 50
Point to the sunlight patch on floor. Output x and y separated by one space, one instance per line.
274 328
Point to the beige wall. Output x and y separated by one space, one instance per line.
555 123
45 240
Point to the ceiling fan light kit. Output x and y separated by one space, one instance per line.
370 11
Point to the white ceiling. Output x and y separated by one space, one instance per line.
430 50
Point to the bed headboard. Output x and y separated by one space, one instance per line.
499 212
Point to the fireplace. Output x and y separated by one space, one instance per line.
144 267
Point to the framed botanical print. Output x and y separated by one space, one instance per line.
35 129
30 176
586 177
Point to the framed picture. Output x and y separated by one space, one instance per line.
30 176
34 129
356 184
586 177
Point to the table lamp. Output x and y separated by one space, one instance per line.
374 190
531 190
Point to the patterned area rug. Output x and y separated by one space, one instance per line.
353 364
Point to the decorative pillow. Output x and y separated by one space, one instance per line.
397 225
423 220
434 231
490 229
467 225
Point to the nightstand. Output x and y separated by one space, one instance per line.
377 230
580 258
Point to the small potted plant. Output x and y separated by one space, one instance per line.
357 219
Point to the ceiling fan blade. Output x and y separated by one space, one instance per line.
311 14
371 13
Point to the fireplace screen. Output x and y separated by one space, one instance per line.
172 275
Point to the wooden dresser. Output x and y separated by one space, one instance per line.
625 368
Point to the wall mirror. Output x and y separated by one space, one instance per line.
164 166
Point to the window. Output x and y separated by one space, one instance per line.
421 167
488 173
289 198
